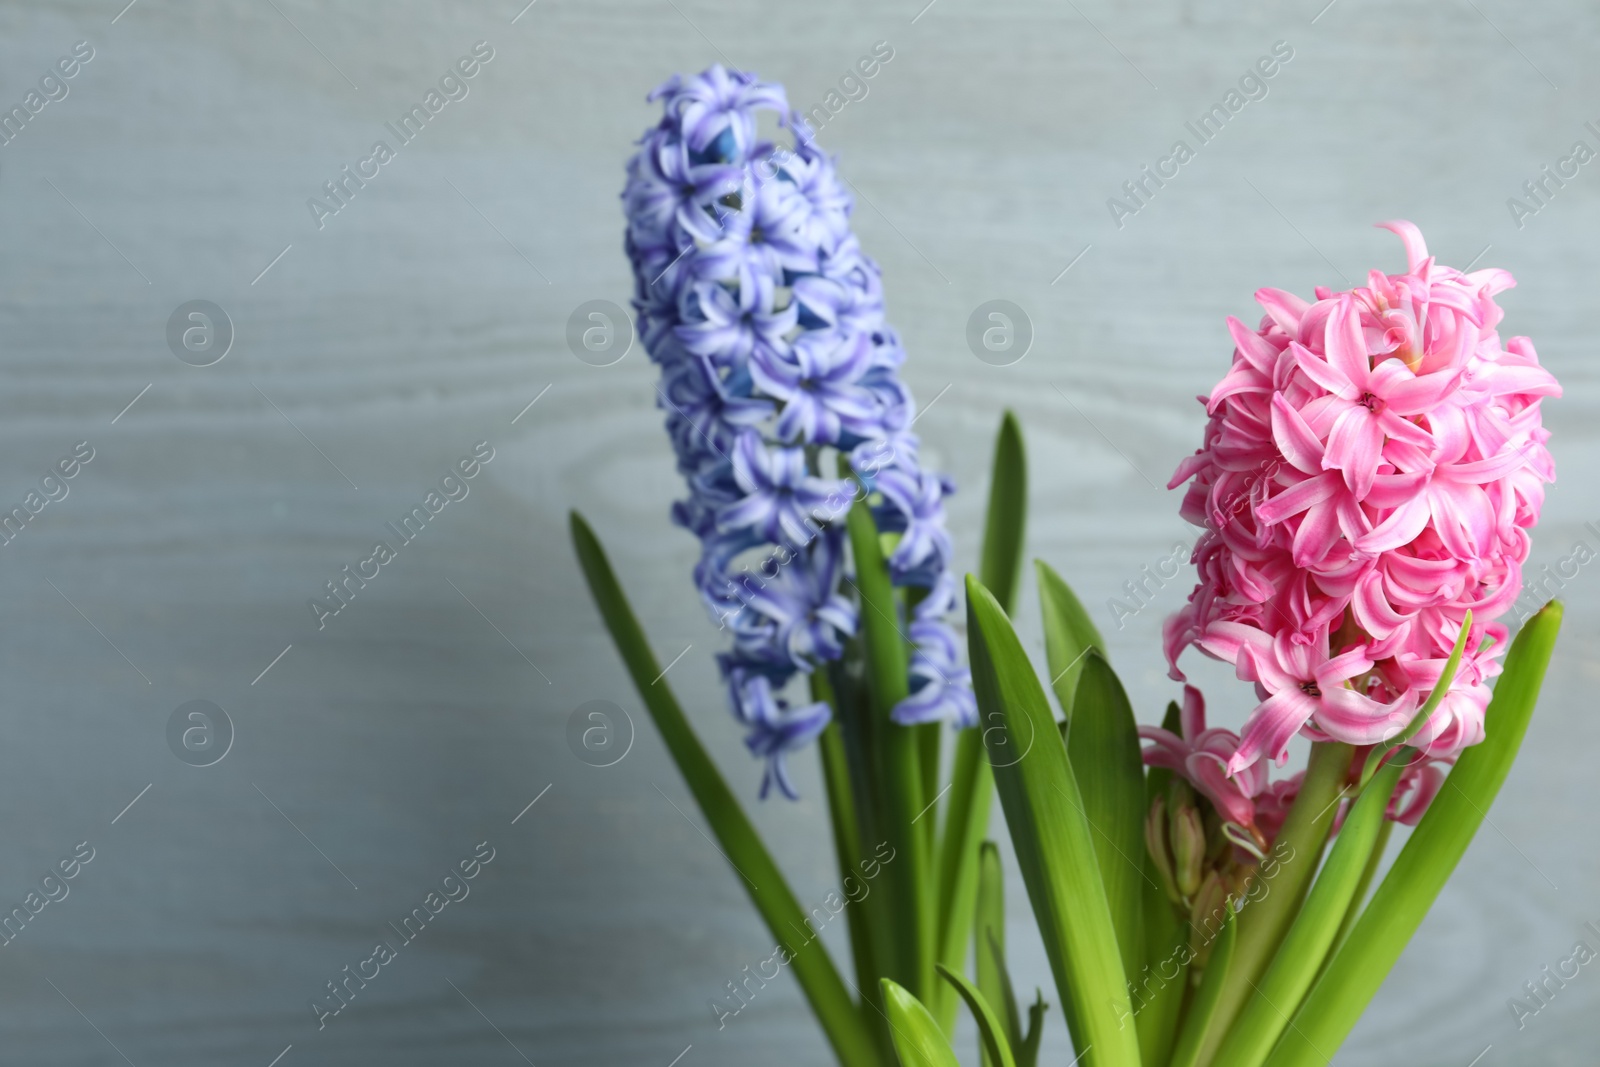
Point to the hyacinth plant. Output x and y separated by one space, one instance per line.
1372 465
824 556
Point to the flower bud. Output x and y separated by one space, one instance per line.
1155 839
1206 917
1188 836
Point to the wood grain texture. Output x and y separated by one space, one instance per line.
425 315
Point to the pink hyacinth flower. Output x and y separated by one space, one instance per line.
1372 464
1201 756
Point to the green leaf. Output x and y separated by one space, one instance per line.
1304 949
1000 564
1353 913
813 969
992 1032
1158 995
1054 847
1428 858
966 818
917 1038
1202 1010
988 949
1027 1053
880 626
900 758
1298 848
1069 634
966 823
1103 745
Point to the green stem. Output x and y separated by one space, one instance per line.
846 845
1306 945
900 759
1374 861
966 824
836 777
858 733
1263 923
929 737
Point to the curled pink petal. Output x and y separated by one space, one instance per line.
1273 722
1193 712
1210 775
1283 308
1411 237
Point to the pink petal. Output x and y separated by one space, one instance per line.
1525 381
1228 641
1191 466
1399 429
1354 446
1210 776
1492 280
1463 516
1241 378
1294 438
1261 353
1323 373
1272 724
1297 498
1416 792
1193 713
1342 668
1168 750
1218 742
1407 393
1355 719
1400 528
1346 348
1353 521
1484 470
1373 611
1392 490
1283 308
1319 531
1411 237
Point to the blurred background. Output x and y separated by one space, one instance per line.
345 362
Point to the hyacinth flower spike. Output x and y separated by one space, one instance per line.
824 556
1399 466
1372 466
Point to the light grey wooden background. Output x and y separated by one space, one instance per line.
424 318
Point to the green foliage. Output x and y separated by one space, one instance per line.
1103 745
918 1040
1430 855
1069 634
835 1009
1054 844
